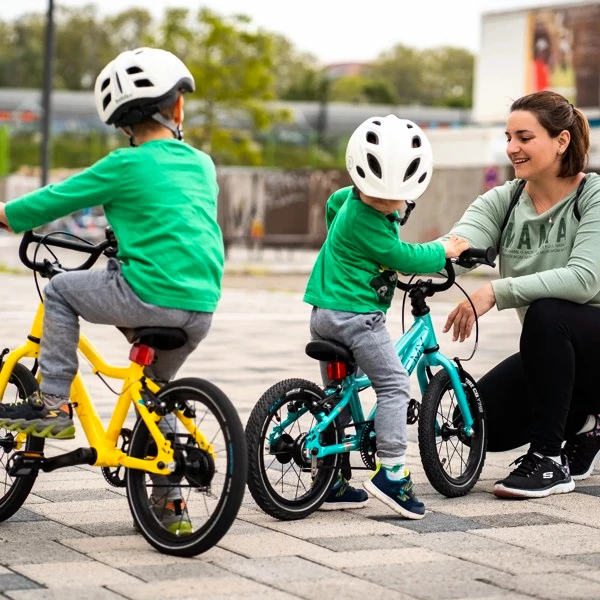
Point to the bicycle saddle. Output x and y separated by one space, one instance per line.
327 351
159 338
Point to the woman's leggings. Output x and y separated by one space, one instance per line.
543 394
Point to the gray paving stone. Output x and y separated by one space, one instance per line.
362 542
587 559
92 495
591 490
186 569
13 581
433 522
31 551
450 579
33 530
104 529
516 519
66 593
24 514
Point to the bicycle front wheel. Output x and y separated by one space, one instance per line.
190 510
14 490
452 461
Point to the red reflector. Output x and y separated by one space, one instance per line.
337 370
142 355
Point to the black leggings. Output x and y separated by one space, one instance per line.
543 394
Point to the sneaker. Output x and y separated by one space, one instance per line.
536 476
398 495
173 515
583 451
344 496
40 415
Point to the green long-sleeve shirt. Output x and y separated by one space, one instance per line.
552 255
356 268
161 201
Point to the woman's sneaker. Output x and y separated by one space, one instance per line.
536 476
344 496
398 495
583 452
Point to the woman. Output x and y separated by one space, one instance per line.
549 258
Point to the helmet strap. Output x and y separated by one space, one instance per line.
402 220
129 132
174 129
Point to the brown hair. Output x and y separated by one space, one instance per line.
556 114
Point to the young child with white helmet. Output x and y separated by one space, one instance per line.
160 197
353 282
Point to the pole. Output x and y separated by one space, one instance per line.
47 93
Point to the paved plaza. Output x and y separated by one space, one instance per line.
73 539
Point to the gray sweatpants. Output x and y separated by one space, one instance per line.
369 340
103 296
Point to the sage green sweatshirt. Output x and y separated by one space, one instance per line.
552 255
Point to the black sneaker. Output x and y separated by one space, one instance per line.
40 415
583 452
536 476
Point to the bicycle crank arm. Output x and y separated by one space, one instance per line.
21 464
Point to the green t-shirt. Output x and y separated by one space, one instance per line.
161 201
356 270
552 255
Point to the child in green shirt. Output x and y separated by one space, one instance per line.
160 197
353 282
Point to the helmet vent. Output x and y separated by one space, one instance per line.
106 101
374 165
409 125
412 168
360 172
372 138
376 122
133 70
422 178
416 142
143 83
104 84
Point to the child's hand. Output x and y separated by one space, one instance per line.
454 246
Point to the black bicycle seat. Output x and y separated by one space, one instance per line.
160 338
328 351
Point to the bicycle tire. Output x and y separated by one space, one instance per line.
262 489
13 498
434 418
229 468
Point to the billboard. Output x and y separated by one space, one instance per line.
552 48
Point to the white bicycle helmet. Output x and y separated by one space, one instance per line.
138 84
389 158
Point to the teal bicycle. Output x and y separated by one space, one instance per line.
295 450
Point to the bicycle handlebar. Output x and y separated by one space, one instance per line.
468 259
45 267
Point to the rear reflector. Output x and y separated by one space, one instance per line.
142 355
337 370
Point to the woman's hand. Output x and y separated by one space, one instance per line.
462 317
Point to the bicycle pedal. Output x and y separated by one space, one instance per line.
21 464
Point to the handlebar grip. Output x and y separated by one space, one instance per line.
487 255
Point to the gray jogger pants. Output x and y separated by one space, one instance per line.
103 296
369 340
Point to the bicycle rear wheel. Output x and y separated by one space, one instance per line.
206 489
279 475
14 490
451 460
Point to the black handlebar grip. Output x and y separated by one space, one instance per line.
486 254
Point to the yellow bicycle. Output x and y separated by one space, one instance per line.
202 455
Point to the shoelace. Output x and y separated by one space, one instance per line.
527 464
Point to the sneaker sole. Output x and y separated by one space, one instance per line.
45 431
589 471
377 493
343 505
501 491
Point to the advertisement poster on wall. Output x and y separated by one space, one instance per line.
564 46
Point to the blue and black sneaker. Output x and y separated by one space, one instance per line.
398 495
344 496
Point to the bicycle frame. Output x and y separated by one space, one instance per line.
418 348
104 441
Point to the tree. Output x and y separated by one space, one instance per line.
448 76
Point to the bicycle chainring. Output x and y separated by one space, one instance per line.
116 475
368 446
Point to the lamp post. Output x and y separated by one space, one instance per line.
47 93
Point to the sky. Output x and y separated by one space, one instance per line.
334 30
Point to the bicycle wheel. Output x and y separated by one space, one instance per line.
207 486
452 461
279 475
14 490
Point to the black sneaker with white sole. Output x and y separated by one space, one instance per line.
583 452
536 476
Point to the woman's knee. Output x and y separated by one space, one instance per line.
544 315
